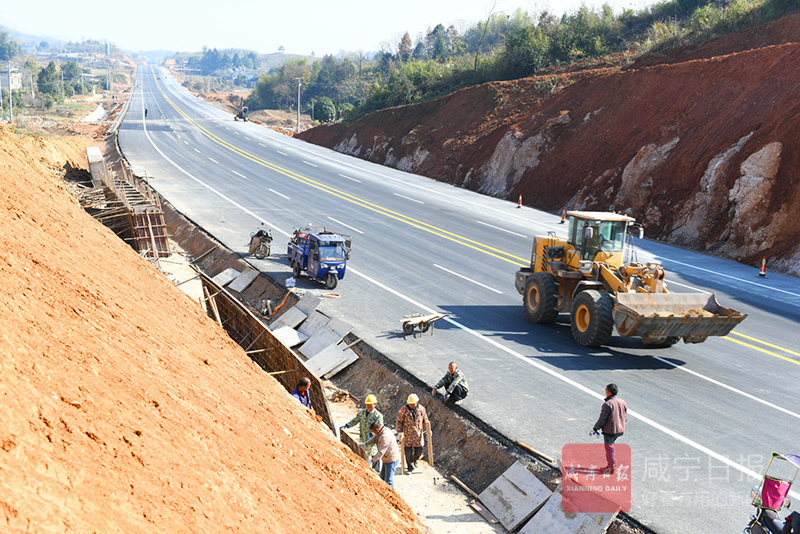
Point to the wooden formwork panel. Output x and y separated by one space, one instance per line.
150 231
267 351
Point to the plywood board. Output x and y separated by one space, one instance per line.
243 280
308 303
515 496
350 357
340 327
289 336
325 360
291 317
225 277
319 341
554 520
314 322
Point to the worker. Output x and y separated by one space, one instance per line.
301 391
412 421
145 113
455 384
387 452
613 416
366 417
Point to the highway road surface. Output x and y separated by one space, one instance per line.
703 418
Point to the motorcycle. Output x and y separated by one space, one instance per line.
260 242
771 496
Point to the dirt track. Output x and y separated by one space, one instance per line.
701 149
125 409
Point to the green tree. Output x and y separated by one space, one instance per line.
9 48
48 80
325 110
71 71
404 48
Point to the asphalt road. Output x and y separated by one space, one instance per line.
703 418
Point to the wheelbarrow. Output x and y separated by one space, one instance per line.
423 322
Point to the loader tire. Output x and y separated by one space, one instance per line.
592 318
262 251
540 298
295 269
331 281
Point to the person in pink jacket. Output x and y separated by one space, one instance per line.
411 421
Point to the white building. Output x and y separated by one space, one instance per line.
16 80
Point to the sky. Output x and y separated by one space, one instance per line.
318 26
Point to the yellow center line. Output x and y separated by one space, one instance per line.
761 350
480 247
766 343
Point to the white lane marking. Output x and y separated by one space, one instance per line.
215 161
345 225
729 388
501 229
280 195
242 175
673 282
225 127
281 153
237 133
307 163
491 341
197 151
262 144
728 276
179 136
185 143
247 138
408 198
343 176
467 279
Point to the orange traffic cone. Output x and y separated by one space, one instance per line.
519 204
763 272
563 216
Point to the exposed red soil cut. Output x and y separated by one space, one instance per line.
126 409
703 152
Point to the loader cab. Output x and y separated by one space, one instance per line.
598 236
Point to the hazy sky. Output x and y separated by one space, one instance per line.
302 27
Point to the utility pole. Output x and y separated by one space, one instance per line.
31 74
298 104
62 84
10 96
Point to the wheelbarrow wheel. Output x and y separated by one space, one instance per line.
423 327
408 328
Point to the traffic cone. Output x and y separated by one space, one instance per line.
763 272
563 216
519 204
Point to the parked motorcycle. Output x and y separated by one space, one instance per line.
260 242
770 497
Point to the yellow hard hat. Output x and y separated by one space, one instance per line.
370 400
413 399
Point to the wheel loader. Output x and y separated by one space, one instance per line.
593 275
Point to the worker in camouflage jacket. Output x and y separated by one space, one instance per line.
454 384
365 417
411 421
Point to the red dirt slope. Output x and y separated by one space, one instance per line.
125 409
702 152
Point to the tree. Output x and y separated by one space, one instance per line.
44 45
404 48
325 110
48 80
9 48
71 71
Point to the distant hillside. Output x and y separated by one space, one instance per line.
697 144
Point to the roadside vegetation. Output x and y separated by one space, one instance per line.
501 47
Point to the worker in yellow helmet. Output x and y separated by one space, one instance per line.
365 417
411 421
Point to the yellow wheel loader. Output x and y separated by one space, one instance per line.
593 275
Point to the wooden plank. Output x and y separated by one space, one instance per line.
350 357
241 282
429 435
554 520
515 496
323 338
485 513
340 327
308 303
315 321
224 278
289 336
292 317
325 360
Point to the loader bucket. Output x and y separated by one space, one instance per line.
657 316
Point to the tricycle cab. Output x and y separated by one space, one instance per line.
321 254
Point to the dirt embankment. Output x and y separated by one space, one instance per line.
125 409
703 152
